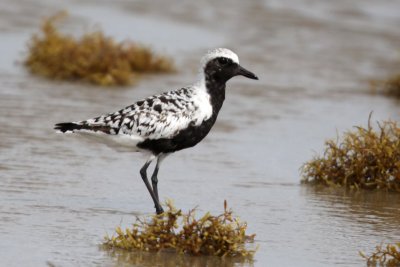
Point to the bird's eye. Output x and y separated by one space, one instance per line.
223 61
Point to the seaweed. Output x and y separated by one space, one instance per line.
221 235
392 86
94 57
388 255
365 158
389 86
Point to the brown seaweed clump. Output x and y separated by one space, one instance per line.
392 86
365 158
388 255
94 57
389 86
221 235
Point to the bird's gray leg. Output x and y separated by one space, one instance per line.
154 179
143 173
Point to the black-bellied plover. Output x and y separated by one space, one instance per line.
171 121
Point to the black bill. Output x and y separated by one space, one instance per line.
242 71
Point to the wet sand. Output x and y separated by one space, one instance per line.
60 195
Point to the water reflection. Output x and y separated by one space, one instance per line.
171 259
378 210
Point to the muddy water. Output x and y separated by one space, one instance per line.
60 195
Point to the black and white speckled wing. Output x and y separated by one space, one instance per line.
156 117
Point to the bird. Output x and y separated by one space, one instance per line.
164 123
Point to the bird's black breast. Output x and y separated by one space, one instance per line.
185 138
191 135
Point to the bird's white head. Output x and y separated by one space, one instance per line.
220 65
216 53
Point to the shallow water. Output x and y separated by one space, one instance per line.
60 195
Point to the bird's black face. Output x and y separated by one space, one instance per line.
221 69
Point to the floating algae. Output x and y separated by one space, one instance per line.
221 235
365 158
388 255
94 57
392 86
389 86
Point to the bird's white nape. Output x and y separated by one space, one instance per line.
218 52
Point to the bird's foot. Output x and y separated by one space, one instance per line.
159 210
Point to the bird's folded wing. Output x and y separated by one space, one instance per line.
154 125
160 116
